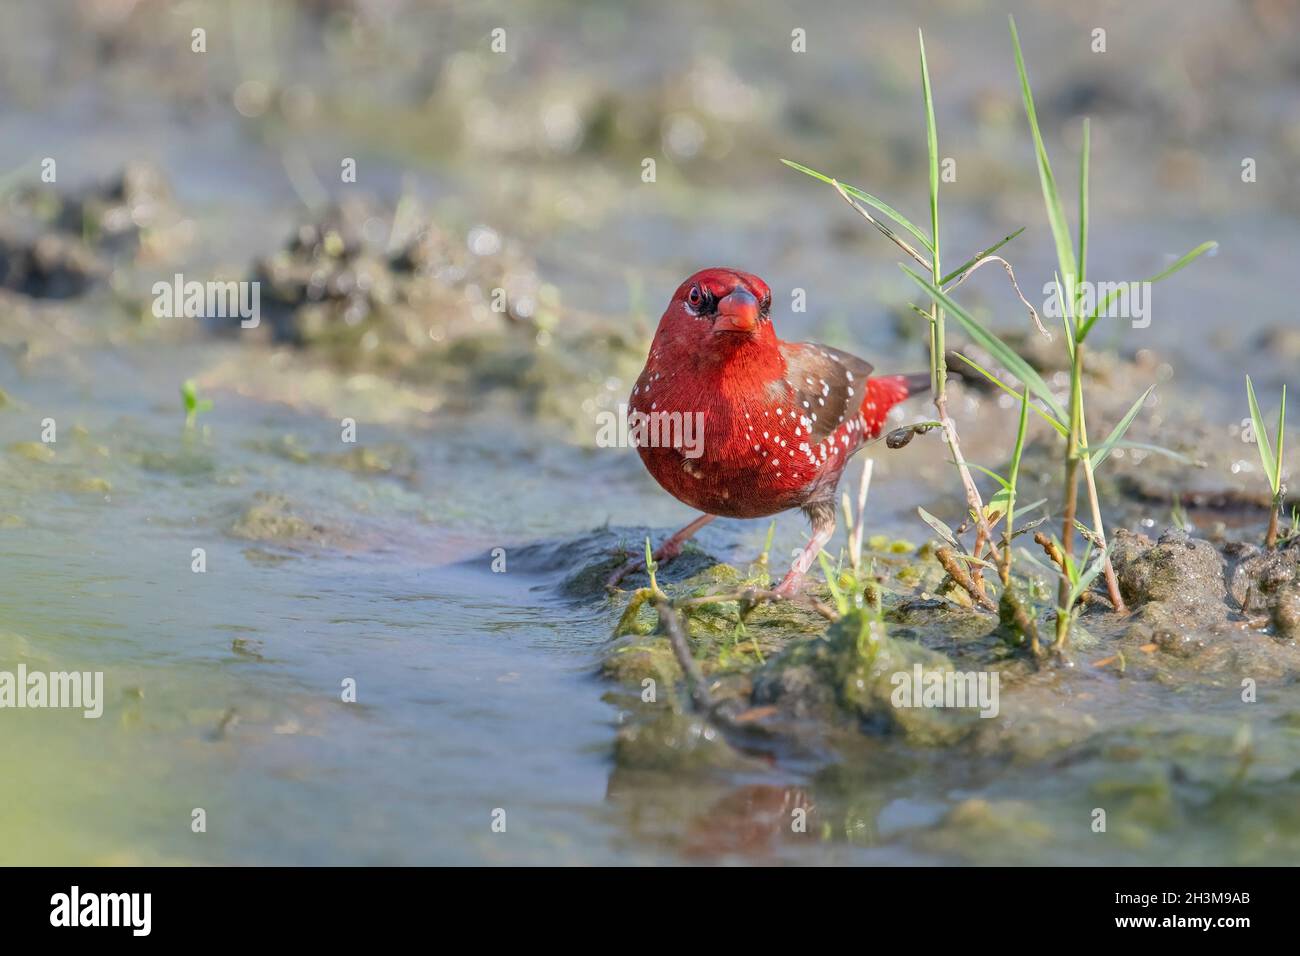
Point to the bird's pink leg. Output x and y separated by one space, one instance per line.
665 552
822 532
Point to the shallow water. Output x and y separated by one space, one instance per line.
475 690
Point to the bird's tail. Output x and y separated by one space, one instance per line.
886 391
916 383
889 390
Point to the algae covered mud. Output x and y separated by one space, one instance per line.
340 570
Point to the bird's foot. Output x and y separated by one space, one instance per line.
788 589
612 582
670 549
822 531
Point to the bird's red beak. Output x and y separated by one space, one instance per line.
737 312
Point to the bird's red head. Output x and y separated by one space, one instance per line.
718 310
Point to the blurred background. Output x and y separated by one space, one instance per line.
501 145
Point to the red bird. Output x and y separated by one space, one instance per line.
780 419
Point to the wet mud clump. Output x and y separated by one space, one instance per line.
459 314
1267 583
48 266
1201 616
58 245
275 520
1199 611
850 672
385 285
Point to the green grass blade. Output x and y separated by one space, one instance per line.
1051 196
1038 564
1084 580
1261 434
932 142
1281 432
1084 159
833 584
941 529
978 256
1162 450
1181 263
1011 391
1013 473
1102 452
1030 507
991 473
1065 316
1004 353
877 204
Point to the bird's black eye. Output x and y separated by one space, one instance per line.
695 297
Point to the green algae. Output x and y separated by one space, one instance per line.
852 671
391 459
273 518
32 451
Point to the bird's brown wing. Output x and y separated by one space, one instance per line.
828 385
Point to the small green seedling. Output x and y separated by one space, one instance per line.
1272 463
832 583
194 406
651 566
767 544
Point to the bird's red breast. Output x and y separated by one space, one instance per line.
779 419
